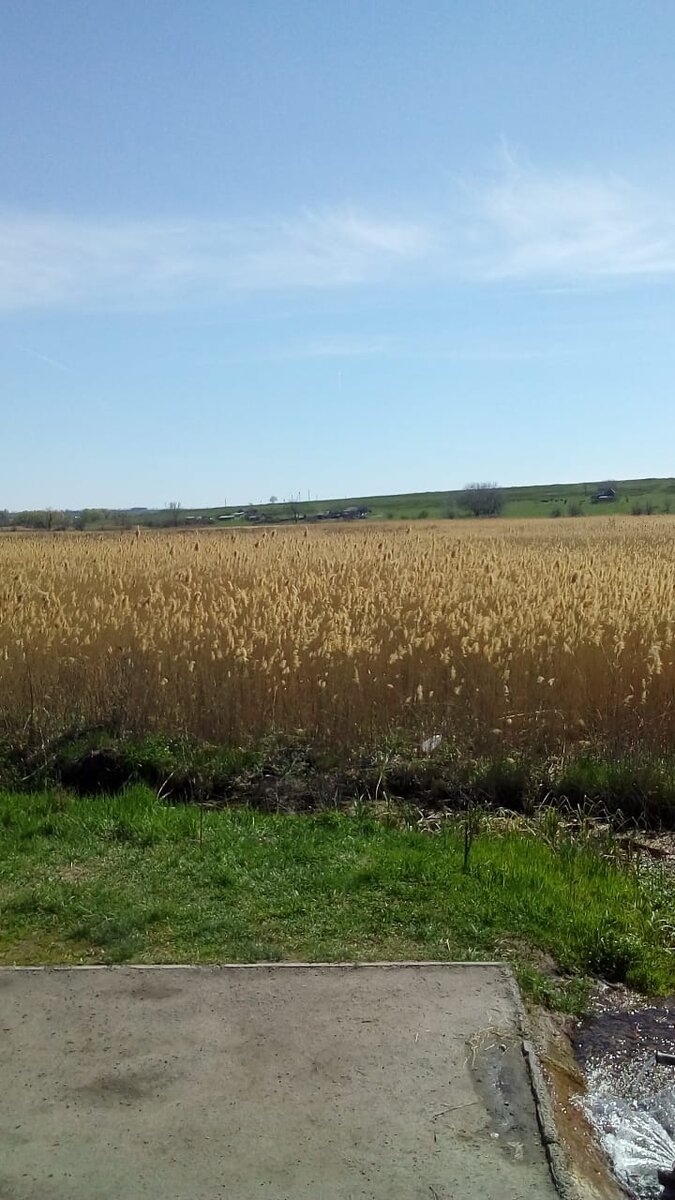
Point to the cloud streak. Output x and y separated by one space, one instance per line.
565 227
52 262
559 230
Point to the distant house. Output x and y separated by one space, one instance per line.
353 513
604 495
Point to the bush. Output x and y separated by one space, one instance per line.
482 499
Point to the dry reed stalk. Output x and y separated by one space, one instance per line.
509 633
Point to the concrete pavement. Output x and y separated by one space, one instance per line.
383 1082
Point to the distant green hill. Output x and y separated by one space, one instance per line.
542 500
632 496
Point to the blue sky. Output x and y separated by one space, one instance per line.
333 247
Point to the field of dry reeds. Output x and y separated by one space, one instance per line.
540 634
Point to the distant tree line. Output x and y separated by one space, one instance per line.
59 520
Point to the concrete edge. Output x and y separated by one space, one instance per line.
556 1156
563 1179
259 966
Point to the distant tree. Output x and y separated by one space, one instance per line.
32 520
90 518
273 500
482 499
62 521
173 509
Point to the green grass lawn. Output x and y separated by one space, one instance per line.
127 878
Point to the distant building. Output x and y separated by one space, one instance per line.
353 513
603 495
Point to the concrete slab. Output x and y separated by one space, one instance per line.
402 1082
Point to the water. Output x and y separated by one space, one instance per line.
638 1137
630 1100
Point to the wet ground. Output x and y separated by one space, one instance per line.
586 1163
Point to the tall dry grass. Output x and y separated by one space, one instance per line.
531 634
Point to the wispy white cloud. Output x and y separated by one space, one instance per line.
555 226
44 358
338 347
48 262
488 353
558 230
331 346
